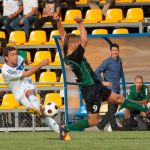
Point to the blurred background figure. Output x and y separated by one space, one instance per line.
112 70
108 4
51 9
94 4
11 11
30 12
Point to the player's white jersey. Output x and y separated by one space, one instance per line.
13 78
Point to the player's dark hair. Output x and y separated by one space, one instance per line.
7 50
114 45
67 40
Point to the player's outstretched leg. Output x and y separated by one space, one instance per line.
125 103
51 123
134 106
33 106
64 134
77 126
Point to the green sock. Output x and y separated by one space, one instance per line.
134 106
78 126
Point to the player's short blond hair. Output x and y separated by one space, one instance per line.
69 38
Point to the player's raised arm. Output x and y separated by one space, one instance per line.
35 69
61 29
83 32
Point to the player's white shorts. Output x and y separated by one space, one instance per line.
21 97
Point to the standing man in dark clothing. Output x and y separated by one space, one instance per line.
111 68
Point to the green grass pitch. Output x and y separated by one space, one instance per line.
80 141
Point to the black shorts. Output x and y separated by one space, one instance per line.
135 112
94 95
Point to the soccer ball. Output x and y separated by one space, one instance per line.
51 109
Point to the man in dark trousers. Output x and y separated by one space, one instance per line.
111 68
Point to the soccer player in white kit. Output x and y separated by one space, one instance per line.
21 85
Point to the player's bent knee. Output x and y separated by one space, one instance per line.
93 119
127 114
92 123
120 99
29 92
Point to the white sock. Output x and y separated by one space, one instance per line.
48 120
34 101
51 123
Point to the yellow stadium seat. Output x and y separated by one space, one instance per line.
2 34
41 55
102 1
54 97
120 31
2 82
46 77
77 32
61 80
93 16
28 56
49 23
56 61
81 2
113 15
51 39
134 15
104 108
38 96
100 31
37 37
18 37
9 102
118 1
124 1
33 78
70 14
142 1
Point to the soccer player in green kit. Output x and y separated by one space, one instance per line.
138 93
93 91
